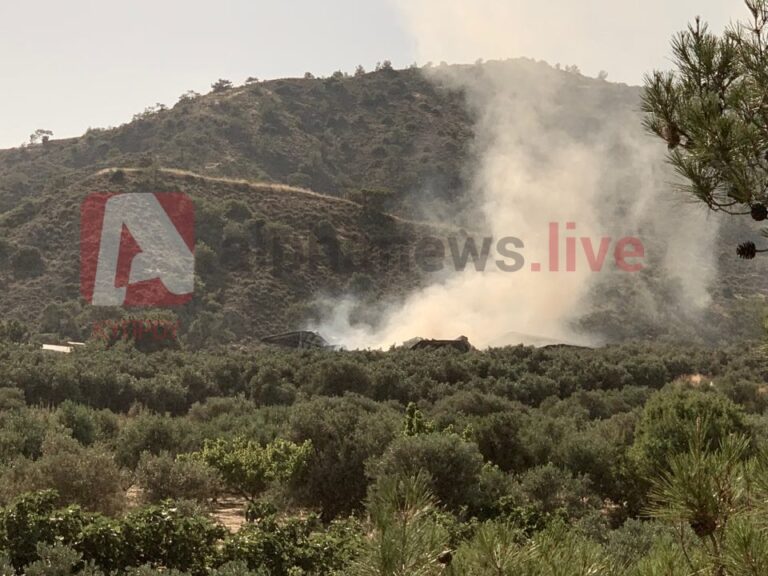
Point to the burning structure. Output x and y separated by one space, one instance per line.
461 344
300 340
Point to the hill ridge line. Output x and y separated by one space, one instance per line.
226 180
273 186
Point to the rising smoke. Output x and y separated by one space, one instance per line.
550 146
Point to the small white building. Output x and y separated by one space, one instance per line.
58 348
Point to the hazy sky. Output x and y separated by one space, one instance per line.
69 65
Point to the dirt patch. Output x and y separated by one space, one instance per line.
229 512
133 497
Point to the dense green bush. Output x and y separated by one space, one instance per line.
32 519
451 465
669 419
551 490
283 547
248 469
13 331
164 535
335 378
345 433
268 387
59 560
151 433
22 432
79 420
88 477
11 399
499 440
164 477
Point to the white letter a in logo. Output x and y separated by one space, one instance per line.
164 254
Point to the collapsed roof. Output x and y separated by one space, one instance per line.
461 344
300 340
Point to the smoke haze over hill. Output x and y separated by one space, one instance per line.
549 149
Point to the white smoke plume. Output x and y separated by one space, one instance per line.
531 170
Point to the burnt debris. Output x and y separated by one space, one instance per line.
300 340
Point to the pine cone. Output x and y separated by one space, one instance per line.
445 557
703 524
759 212
747 250
672 136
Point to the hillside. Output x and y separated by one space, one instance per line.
387 129
391 129
263 251
298 163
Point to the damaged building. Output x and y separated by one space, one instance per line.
461 344
299 340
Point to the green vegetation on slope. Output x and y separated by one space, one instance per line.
540 455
